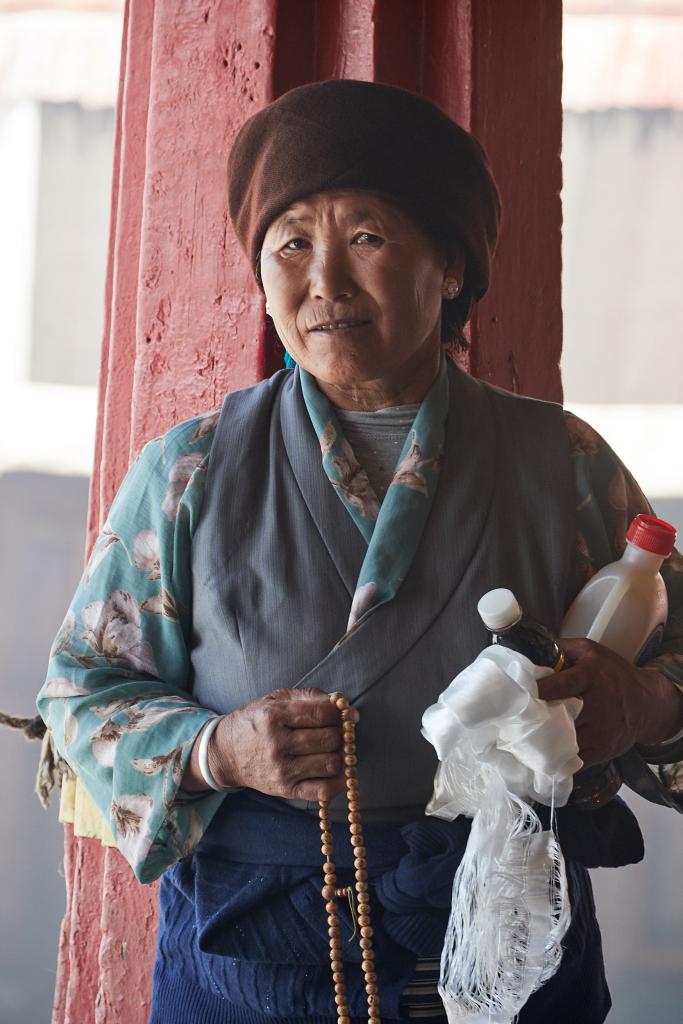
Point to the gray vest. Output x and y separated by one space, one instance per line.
276 557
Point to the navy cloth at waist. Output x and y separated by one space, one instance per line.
243 916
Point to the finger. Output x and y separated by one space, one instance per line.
313 741
578 649
306 712
590 756
314 693
318 789
595 746
314 713
571 682
314 766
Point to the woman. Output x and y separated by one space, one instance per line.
239 574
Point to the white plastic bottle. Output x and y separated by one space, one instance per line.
624 606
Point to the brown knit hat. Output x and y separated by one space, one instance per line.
351 134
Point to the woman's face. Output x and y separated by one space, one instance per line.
355 262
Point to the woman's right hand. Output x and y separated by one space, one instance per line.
286 744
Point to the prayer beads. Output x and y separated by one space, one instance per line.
330 891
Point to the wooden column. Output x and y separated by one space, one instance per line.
185 322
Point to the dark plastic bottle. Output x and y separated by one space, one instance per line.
502 615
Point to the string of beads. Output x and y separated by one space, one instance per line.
331 892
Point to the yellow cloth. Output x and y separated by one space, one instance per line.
77 808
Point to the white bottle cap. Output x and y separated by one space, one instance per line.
499 609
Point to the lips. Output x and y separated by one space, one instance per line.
339 325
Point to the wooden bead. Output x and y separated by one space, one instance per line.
332 891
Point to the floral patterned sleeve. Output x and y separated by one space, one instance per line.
608 498
116 697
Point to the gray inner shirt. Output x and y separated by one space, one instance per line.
377 439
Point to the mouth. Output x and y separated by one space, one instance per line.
337 326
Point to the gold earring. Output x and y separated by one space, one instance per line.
450 287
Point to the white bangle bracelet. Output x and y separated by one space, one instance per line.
203 754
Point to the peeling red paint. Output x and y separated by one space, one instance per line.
185 321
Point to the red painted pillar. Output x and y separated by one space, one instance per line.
185 321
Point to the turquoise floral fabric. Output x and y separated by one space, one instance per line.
392 531
116 696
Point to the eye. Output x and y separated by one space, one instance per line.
293 242
371 239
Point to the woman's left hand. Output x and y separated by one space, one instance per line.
622 705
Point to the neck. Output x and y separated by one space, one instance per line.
407 385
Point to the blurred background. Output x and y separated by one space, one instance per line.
622 366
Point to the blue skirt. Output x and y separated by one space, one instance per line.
242 933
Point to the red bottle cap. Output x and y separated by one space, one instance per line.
652 534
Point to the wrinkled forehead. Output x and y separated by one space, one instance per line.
351 207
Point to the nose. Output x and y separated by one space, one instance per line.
330 275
